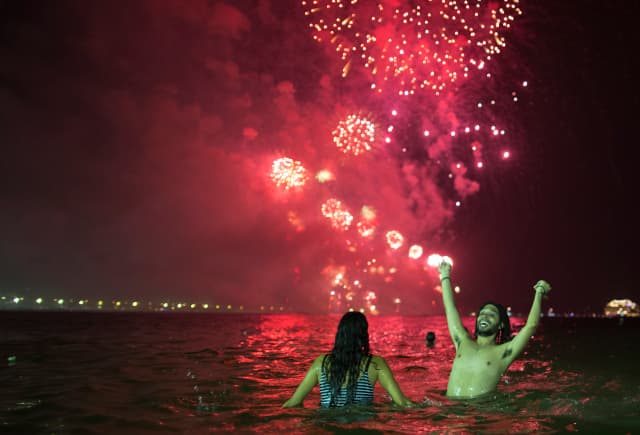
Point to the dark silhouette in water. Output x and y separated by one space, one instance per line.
431 338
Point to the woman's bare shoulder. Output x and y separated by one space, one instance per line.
319 359
378 362
321 356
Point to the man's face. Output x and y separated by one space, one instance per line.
488 321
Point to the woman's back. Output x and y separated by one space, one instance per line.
362 389
349 360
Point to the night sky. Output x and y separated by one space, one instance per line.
137 143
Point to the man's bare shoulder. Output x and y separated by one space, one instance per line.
462 337
464 340
505 350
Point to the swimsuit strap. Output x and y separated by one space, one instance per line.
366 368
323 365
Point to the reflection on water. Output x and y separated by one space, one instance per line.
144 373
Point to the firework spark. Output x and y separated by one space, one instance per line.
413 45
394 239
354 135
365 228
415 251
288 173
325 176
337 213
434 260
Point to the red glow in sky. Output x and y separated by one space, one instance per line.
140 163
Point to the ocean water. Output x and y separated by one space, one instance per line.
103 373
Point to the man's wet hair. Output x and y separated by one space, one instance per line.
504 332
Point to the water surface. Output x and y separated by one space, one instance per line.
197 373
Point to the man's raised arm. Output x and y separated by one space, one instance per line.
456 329
520 341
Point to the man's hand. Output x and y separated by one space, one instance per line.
444 268
543 287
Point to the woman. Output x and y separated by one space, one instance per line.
347 375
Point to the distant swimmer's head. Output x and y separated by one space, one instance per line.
431 338
493 320
353 333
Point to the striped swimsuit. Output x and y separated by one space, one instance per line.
363 394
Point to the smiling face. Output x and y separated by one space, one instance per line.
488 322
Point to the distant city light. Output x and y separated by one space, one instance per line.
357 292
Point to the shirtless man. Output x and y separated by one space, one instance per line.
479 364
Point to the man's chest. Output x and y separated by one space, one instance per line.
470 358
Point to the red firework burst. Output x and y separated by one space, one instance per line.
354 135
394 239
413 45
340 218
288 173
